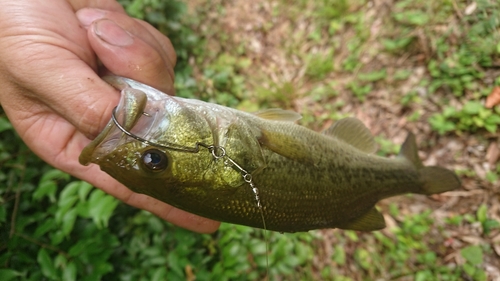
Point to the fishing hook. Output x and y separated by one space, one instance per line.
217 152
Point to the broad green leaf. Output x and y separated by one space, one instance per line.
362 257
9 274
83 190
339 256
472 107
68 221
101 207
482 213
54 174
493 119
57 237
78 248
45 227
473 254
423 275
65 205
60 261
492 128
4 124
69 272
373 76
69 191
45 188
46 265
414 17
159 274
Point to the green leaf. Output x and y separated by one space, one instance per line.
68 221
57 237
472 107
339 255
363 258
45 188
9 274
424 275
493 119
64 206
69 191
83 190
54 174
159 274
473 254
102 207
373 76
5 124
45 227
492 128
414 17
78 248
481 213
46 265
469 269
69 272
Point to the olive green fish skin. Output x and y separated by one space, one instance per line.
306 180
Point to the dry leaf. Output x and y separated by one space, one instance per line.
471 8
492 154
493 98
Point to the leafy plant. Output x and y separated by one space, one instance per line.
471 117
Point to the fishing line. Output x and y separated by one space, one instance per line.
217 152
167 145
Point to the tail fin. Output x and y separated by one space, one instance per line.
435 179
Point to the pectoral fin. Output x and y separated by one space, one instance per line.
286 144
372 220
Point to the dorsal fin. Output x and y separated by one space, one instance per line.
353 132
278 114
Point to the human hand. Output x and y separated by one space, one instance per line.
52 93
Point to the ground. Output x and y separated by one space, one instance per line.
330 59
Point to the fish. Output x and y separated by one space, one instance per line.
260 169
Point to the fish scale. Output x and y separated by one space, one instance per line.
222 163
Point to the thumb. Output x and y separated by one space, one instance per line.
131 48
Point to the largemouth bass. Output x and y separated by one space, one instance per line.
261 169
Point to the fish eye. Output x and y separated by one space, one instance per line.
155 160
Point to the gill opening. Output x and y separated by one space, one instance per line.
218 152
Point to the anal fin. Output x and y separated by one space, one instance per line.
372 220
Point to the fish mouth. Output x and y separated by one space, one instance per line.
131 117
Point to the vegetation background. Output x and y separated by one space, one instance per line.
430 67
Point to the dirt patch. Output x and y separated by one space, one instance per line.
280 39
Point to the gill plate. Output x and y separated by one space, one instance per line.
218 152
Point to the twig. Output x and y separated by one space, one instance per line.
16 203
43 245
457 10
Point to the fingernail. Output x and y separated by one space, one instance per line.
87 16
112 34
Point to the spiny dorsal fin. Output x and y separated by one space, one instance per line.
372 220
353 132
278 114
